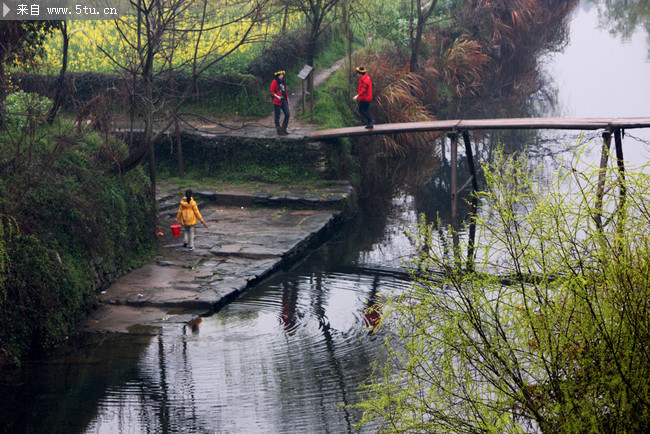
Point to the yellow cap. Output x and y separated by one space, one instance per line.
361 69
280 72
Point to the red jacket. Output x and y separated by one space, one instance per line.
364 90
275 90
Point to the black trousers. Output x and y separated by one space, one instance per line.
285 109
363 111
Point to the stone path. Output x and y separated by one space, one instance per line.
252 233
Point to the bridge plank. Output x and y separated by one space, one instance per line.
485 124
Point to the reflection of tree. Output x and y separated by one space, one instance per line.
623 17
519 38
432 198
323 361
165 393
382 178
66 391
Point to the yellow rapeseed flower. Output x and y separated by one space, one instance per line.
89 40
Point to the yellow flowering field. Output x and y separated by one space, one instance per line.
86 38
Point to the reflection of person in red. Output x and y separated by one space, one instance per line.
364 95
289 301
372 312
372 315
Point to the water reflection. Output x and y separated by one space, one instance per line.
62 394
287 357
622 17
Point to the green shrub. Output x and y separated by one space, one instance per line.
21 106
550 334
69 225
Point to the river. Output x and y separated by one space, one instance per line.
290 354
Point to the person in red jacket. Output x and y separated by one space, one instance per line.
364 95
280 98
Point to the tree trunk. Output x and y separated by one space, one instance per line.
415 49
3 84
146 144
418 31
311 49
349 36
179 149
60 81
412 33
284 20
149 121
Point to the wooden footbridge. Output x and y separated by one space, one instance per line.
450 126
456 128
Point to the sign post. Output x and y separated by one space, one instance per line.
303 75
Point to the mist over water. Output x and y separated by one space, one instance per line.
604 71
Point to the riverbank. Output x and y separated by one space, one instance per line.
254 231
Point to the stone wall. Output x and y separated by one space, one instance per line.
214 155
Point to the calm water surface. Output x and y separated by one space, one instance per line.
290 354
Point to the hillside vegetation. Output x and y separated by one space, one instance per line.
69 225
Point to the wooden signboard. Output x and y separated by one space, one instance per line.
303 75
305 72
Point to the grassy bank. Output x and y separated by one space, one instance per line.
69 226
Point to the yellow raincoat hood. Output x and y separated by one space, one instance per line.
188 213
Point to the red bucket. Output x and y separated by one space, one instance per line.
176 230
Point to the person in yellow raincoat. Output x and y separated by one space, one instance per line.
188 214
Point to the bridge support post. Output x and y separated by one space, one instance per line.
621 165
474 202
453 163
600 191
618 140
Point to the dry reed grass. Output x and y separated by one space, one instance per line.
497 62
398 94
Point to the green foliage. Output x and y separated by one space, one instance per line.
334 50
285 51
69 227
333 101
21 106
238 94
392 24
244 171
550 333
40 302
248 171
235 160
333 109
